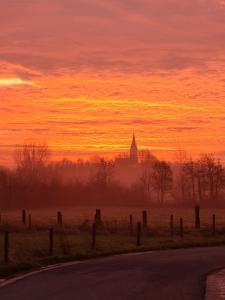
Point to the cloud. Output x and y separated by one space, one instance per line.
180 129
89 72
127 36
7 82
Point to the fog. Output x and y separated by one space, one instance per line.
37 181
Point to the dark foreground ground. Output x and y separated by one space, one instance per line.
163 275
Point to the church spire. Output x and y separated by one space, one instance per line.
134 150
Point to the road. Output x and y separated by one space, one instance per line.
163 275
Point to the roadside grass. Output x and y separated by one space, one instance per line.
74 216
29 249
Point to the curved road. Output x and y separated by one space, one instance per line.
163 275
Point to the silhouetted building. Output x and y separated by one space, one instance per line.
134 151
129 158
127 168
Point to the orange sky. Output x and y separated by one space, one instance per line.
82 75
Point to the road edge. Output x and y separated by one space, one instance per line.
6 282
215 285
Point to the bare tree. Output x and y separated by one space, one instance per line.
162 179
104 172
180 180
30 161
4 186
190 171
211 176
147 160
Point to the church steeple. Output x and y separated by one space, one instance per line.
134 150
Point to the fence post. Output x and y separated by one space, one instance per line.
93 235
98 217
6 247
115 226
24 217
139 234
171 226
59 218
29 221
51 241
144 219
214 224
131 225
197 217
181 228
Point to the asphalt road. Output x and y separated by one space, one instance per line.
162 275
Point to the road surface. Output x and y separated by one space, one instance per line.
163 275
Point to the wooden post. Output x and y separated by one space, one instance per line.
181 228
24 217
29 221
131 225
171 226
115 226
51 241
93 235
139 234
6 247
98 217
214 224
197 217
59 218
144 219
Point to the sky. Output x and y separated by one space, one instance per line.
83 75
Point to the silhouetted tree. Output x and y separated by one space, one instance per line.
30 161
147 160
189 171
162 179
4 186
211 176
104 173
181 186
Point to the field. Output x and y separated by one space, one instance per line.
29 244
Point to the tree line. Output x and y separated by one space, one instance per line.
36 181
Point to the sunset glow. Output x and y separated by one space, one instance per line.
83 75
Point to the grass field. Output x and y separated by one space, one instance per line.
29 247
72 216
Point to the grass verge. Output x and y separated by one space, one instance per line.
28 251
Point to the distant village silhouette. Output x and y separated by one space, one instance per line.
132 158
134 177
127 170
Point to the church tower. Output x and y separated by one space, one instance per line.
134 151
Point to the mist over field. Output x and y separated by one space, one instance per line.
134 179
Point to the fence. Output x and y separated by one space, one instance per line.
122 235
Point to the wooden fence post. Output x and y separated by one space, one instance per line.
93 235
214 224
29 221
24 217
197 217
144 219
98 217
6 247
131 225
115 226
139 234
51 241
181 228
171 226
59 218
